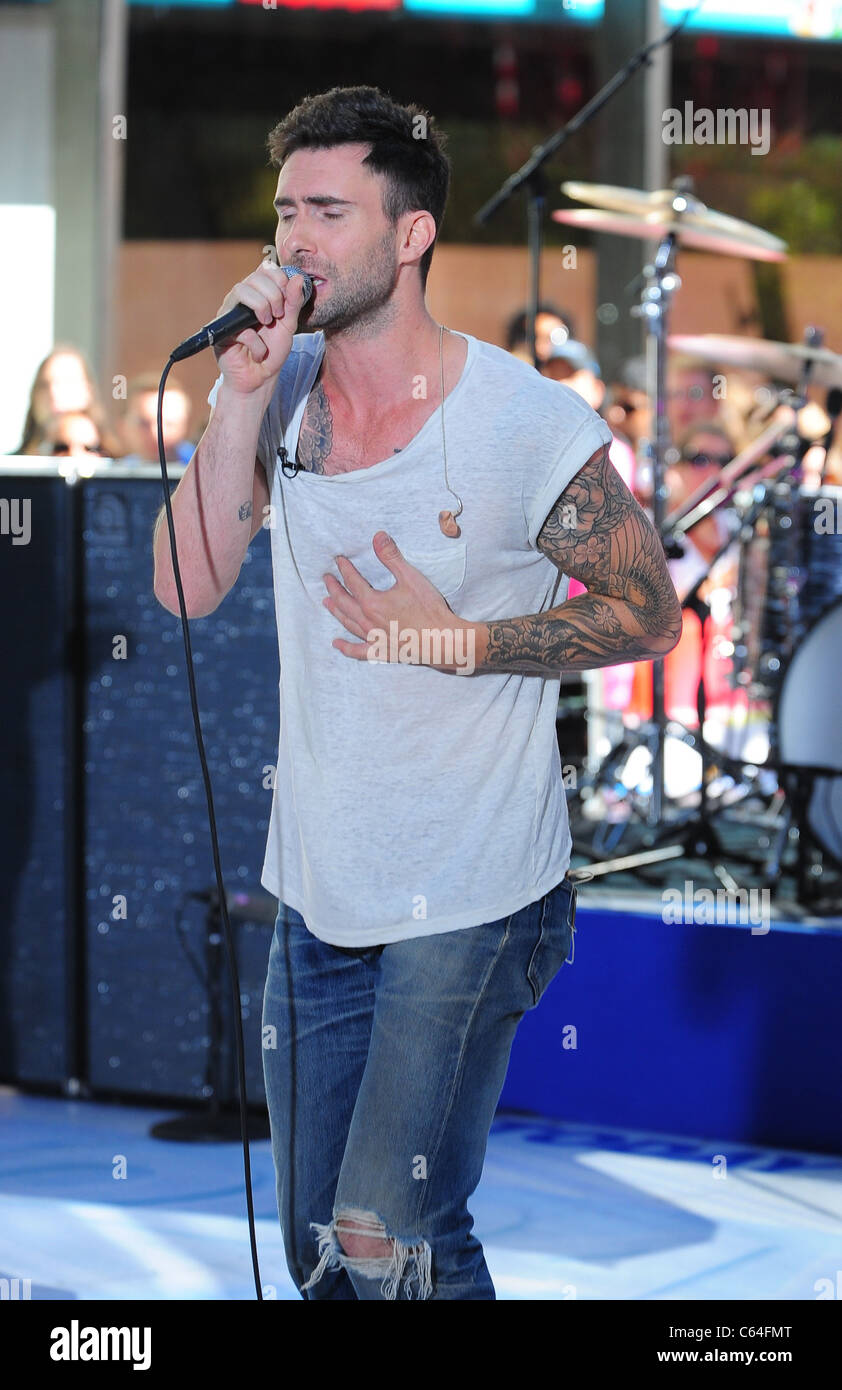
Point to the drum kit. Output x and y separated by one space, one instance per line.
786 635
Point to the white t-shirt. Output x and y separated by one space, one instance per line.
408 801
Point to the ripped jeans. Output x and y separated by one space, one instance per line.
383 1068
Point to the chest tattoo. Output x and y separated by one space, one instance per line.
315 440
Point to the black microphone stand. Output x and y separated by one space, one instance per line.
531 178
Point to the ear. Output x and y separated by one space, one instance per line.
418 235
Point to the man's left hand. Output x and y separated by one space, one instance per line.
411 622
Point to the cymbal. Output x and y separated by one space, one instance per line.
782 361
699 232
638 204
686 205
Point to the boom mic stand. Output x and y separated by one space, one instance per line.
531 178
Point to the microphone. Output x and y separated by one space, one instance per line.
230 324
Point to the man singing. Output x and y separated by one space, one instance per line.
427 497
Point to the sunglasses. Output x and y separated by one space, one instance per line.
61 448
702 460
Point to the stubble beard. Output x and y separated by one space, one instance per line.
359 303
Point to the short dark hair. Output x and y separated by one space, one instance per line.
414 165
516 325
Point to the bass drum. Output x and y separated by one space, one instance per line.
790 574
810 727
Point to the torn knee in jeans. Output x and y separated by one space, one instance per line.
358 1241
364 1237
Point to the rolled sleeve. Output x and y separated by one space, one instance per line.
586 433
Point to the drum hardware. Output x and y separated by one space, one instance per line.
688 222
687 514
811 809
654 310
675 218
697 831
809 738
530 177
698 835
778 361
798 632
796 669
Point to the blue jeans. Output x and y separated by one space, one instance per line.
383 1068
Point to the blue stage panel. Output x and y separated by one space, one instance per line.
689 1029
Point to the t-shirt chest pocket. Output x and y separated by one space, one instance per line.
445 568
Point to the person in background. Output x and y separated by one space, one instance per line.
63 382
746 408
627 410
138 423
824 468
573 363
705 449
691 395
552 326
76 434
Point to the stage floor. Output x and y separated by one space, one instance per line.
563 1212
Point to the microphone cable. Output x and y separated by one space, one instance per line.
223 903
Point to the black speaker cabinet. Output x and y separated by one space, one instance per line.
106 851
36 1001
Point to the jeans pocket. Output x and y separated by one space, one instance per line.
555 937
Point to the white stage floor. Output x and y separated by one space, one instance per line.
563 1212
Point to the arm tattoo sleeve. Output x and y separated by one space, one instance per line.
596 533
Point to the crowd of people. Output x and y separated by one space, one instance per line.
711 418
66 417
